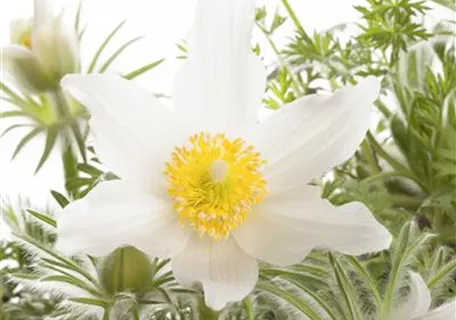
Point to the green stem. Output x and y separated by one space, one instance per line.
370 158
106 314
69 159
383 109
248 307
70 168
400 168
206 313
283 63
61 105
391 174
408 202
293 17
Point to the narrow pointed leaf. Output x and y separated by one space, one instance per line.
44 218
94 302
26 139
444 273
114 56
80 141
60 198
77 19
318 299
15 98
90 170
14 113
346 288
48 146
102 47
143 69
15 126
289 298
81 34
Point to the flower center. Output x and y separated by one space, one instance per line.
27 42
215 182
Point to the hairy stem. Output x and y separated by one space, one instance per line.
69 159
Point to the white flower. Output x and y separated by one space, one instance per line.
43 51
418 304
205 184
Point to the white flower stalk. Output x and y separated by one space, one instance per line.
42 50
418 305
205 184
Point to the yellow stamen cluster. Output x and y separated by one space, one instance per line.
215 182
27 42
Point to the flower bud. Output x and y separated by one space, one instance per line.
56 49
26 69
43 51
126 269
21 32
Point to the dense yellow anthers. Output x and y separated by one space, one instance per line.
215 182
27 42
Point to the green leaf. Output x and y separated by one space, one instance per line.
406 247
346 288
77 18
114 56
14 126
291 274
72 281
94 302
81 34
135 73
10 93
317 297
44 218
443 273
26 139
367 278
80 140
102 47
90 170
60 198
25 276
289 298
71 265
14 113
51 138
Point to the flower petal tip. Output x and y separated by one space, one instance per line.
371 85
69 79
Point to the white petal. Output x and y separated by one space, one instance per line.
420 297
57 48
19 30
226 273
25 68
315 133
43 12
444 312
418 302
221 85
119 213
284 228
132 129
267 237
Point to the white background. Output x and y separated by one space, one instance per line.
163 23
